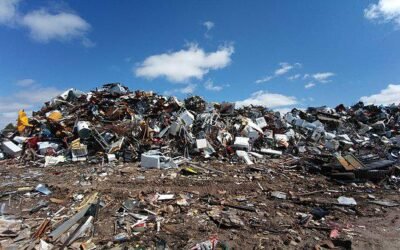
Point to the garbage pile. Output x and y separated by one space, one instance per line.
112 123
112 135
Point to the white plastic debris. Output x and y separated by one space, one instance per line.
20 139
165 197
279 195
174 129
281 137
224 137
43 245
245 156
329 136
10 148
44 146
348 201
253 125
270 151
83 128
187 117
111 157
201 143
154 159
261 122
257 155
251 133
117 89
53 160
241 142
150 160
42 189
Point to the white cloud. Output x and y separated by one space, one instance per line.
189 89
389 95
37 95
30 98
270 100
6 118
265 79
294 77
384 11
323 77
9 115
309 85
25 82
209 25
181 66
8 106
45 26
8 11
298 65
209 85
284 68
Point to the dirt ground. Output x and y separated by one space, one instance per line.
380 232
266 222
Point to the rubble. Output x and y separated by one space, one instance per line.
112 168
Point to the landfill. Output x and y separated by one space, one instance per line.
119 169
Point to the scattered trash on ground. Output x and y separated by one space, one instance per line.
113 168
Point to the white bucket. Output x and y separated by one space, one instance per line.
83 129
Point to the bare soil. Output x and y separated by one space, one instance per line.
275 223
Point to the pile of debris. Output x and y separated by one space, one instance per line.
114 124
112 128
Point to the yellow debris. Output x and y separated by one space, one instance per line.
55 116
22 121
76 144
91 199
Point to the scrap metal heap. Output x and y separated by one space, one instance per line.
112 125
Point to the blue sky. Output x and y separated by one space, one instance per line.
277 53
